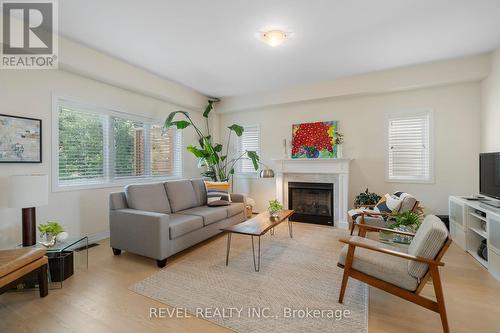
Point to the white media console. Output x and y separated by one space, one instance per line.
471 222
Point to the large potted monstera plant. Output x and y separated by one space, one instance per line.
219 162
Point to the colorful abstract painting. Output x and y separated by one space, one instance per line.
314 140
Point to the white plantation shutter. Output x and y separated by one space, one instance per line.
106 147
166 150
250 140
81 146
409 148
128 147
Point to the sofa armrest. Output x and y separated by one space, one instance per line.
141 232
238 197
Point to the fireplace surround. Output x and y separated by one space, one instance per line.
319 170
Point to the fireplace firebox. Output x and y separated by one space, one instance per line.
312 202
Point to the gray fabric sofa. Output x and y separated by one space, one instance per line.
161 219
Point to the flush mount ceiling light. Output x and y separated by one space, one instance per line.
274 37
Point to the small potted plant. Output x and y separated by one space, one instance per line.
366 199
50 230
274 208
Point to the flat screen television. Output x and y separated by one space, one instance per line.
489 175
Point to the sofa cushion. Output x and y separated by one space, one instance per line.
200 190
385 267
218 203
428 240
181 195
148 197
235 208
209 214
182 224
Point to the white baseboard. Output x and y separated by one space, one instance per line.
343 225
98 236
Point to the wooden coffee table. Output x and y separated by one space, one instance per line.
256 227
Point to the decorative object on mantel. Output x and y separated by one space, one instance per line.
20 139
28 192
219 165
274 208
314 140
52 231
339 140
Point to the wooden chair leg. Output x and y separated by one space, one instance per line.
352 227
43 282
438 290
347 270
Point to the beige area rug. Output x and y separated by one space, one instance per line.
296 289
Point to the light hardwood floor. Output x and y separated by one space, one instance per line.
98 301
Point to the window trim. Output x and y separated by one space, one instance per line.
238 171
58 100
408 113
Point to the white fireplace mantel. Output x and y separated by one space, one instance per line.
319 170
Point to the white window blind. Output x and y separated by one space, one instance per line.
81 146
166 151
249 140
409 151
106 147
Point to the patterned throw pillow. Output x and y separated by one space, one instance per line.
217 191
388 204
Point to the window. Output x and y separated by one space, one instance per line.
409 147
249 140
101 147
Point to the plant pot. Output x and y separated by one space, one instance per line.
339 151
274 214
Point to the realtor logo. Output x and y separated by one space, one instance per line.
29 34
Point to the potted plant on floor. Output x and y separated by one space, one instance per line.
366 199
219 162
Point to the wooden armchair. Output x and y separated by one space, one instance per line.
402 274
17 264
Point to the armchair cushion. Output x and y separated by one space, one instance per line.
14 259
376 221
428 240
388 268
408 201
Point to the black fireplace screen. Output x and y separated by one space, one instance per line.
312 202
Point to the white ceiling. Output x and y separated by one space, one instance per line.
210 45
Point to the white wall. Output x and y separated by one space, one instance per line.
29 93
457 138
467 69
490 116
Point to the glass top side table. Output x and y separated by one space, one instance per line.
66 257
